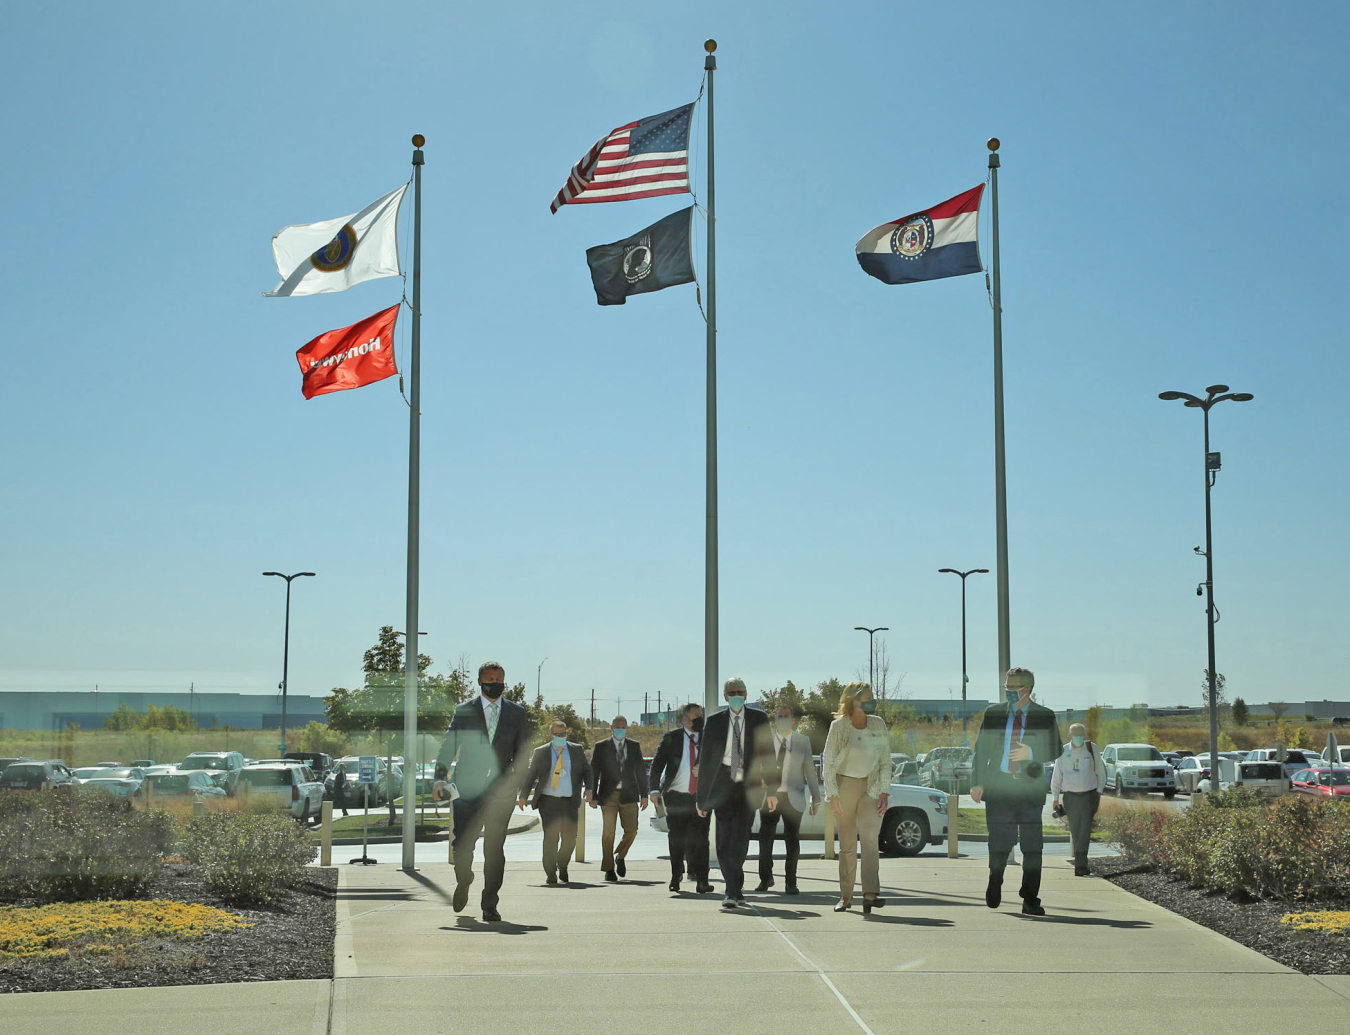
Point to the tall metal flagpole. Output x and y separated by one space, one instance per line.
710 622
414 506
1000 474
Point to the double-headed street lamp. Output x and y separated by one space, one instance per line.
871 654
965 740
1214 394
286 650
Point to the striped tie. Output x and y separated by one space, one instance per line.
557 770
492 720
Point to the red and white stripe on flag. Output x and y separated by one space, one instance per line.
619 167
349 357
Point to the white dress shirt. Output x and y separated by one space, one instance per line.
739 774
1078 770
682 775
620 754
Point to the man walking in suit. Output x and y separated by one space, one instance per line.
674 780
620 784
490 738
1015 741
557 777
737 752
792 774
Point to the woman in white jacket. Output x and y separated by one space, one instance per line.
857 764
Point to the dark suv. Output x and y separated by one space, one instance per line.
27 775
318 762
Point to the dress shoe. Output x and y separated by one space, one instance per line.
492 916
675 885
562 875
611 876
621 867
552 880
461 898
764 885
993 895
703 887
740 901
841 906
791 889
1033 909
728 903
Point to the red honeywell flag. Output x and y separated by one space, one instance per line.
349 357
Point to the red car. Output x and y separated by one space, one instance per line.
1322 783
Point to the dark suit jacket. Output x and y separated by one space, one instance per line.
482 765
670 754
714 787
541 771
605 763
1041 734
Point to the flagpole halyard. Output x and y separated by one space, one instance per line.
710 589
1000 473
410 657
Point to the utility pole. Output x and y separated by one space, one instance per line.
592 706
645 707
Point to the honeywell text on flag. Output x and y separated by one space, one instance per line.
349 357
332 255
941 242
643 159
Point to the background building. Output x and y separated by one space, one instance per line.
56 709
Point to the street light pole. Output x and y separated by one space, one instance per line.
871 655
1214 394
965 740
286 648
537 675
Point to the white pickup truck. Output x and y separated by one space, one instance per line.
289 785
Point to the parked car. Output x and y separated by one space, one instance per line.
1294 758
195 784
88 772
1191 771
223 767
948 768
351 764
319 762
1267 777
1321 783
143 763
289 784
1138 767
29 775
5 763
122 782
1343 757
906 773
1172 758
156 770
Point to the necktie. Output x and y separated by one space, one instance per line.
1016 736
779 756
557 770
693 767
492 721
736 749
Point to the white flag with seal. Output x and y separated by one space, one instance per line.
335 254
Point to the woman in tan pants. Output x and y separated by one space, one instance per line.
857 763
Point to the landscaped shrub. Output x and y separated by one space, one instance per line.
1291 848
78 844
248 856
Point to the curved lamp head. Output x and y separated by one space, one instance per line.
1217 389
274 573
951 571
1242 397
1169 396
980 571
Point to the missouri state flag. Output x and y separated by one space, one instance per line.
941 242
349 357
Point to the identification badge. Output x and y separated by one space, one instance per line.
1075 765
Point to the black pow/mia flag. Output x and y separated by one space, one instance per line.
652 259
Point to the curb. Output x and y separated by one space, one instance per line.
1050 839
529 824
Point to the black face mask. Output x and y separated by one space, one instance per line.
697 724
492 691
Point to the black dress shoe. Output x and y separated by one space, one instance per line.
703 887
551 880
791 889
764 885
492 916
621 866
675 885
611 876
1033 909
562 875
461 898
993 895
740 901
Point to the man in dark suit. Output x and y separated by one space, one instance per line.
558 776
674 781
1015 741
737 753
620 784
490 740
793 773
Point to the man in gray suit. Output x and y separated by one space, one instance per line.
798 789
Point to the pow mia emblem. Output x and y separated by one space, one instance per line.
337 253
913 237
637 259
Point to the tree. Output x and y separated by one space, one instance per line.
1277 709
1226 742
1239 712
167 718
1093 722
123 718
1301 738
317 736
1218 688
787 694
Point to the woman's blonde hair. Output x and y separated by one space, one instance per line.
851 695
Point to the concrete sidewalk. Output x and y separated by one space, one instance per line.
603 958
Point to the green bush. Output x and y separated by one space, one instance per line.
78 844
248 856
1292 848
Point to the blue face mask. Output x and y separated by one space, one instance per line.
559 742
737 702
870 707
1013 696
1077 741
620 734
784 725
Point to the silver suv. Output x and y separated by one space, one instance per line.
1138 767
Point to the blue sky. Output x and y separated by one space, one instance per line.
1169 220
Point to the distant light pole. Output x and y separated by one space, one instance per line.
871 655
286 650
537 673
965 740
1213 394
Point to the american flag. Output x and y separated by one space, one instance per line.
643 159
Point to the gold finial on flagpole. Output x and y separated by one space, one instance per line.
993 143
709 45
418 140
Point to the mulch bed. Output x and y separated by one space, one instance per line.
1255 923
291 939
